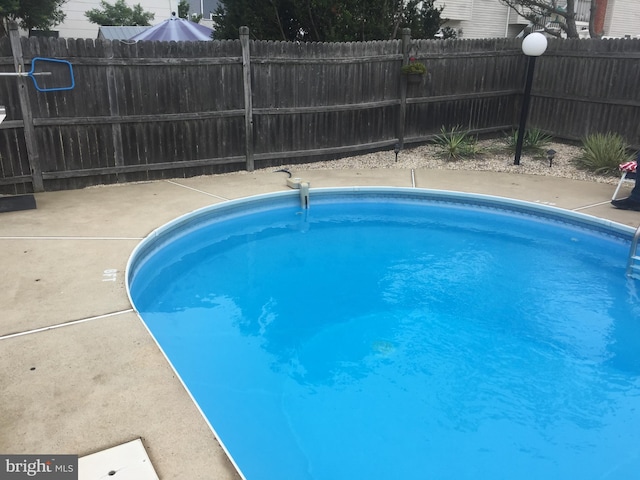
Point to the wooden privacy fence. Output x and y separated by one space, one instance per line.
164 109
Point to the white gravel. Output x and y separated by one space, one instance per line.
494 157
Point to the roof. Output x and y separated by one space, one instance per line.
120 33
177 29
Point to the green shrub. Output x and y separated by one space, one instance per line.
456 143
535 141
603 152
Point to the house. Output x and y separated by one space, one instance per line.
206 8
622 18
470 18
481 18
76 24
492 18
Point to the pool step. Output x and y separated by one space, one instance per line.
633 265
633 270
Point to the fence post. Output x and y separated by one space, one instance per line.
114 107
406 45
248 107
25 106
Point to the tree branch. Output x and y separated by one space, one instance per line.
535 10
396 24
275 8
313 24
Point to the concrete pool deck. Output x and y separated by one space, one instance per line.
79 373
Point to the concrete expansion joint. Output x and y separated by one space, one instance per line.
590 206
196 190
65 324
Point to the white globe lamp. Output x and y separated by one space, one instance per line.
534 44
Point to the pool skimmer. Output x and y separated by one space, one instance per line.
297 183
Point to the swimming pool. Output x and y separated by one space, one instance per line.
393 333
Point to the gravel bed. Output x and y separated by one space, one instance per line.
494 158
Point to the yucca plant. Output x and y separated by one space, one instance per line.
602 153
535 141
456 143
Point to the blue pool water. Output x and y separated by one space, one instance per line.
388 334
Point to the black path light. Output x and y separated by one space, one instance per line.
550 154
533 46
396 150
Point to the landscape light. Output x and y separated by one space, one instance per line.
550 154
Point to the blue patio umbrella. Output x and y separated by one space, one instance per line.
175 28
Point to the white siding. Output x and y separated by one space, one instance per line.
623 18
516 19
488 18
76 24
456 9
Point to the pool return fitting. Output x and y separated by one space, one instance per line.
304 190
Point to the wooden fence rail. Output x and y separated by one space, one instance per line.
151 110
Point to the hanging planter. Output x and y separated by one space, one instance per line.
414 71
413 78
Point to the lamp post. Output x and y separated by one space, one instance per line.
533 46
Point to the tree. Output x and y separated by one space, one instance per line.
119 14
183 12
40 14
423 18
267 20
327 20
535 10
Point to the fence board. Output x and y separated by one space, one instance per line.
155 109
